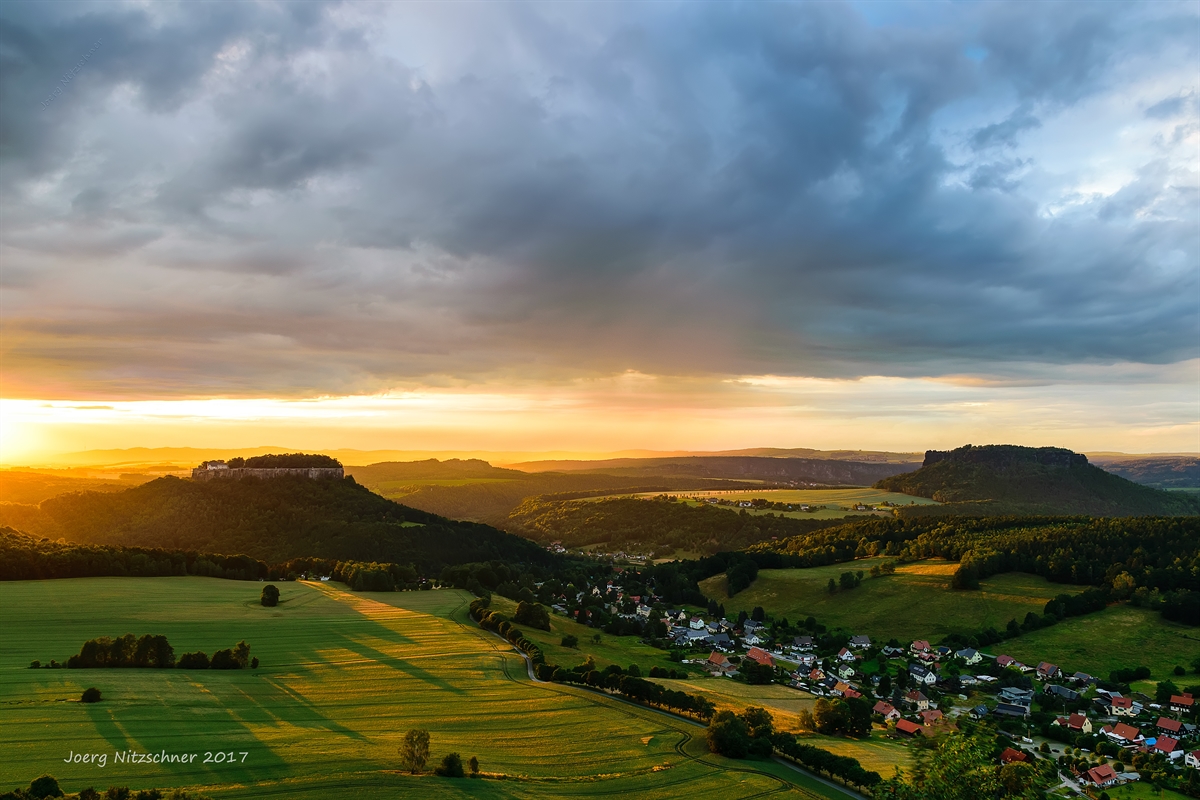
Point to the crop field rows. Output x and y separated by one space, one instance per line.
343 677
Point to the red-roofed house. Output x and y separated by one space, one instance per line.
1192 759
1168 747
817 674
761 656
886 710
1005 661
1010 755
851 693
1120 707
931 717
1103 775
1181 703
1079 722
718 664
846 655
908 728
1169 726
1122 732
1046 670
919 646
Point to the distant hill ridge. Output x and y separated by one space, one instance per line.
271 520
1010 479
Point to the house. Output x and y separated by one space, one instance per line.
1005 661
1168 726
1013 694
846 655
886 710
1082 677
1120 706
969 655
761 656
803 643
1182 703
696 624
1168 746
851 693
806 660
817 674
1010 756
721 640
860 642
749 626
892 652
845 672
1079 723
979 712
1046 670
922 674
1011 710
908 728
1103 775
1069 695
718 664
917 699
753 639
919 646
1122 733
931 717
1192 759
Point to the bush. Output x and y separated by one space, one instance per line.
45 786
196 660
90 695
451 766
570 641
270 596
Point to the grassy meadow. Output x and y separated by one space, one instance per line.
839 502
1117 637
343 677
915 602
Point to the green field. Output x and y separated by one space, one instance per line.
838 502
1119 636
343 676
914 603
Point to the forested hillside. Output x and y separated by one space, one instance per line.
273 520
1154 561
650 526
1006 479
1165 472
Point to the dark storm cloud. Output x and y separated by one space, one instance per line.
383 192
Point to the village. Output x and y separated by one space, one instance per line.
1100 733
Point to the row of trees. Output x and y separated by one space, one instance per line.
752 733
153 652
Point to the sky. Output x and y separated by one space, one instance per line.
599 226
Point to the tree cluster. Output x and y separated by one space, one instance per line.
154 652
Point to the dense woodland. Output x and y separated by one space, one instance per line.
271 520
658 526
1006 479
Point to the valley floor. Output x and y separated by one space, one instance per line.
343 676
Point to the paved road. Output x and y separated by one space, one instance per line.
529 667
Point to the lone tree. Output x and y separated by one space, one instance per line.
270 595
474 765
90 695
414 752
45 786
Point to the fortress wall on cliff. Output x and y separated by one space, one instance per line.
317 473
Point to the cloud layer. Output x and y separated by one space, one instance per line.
289 199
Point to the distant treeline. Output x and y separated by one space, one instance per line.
659 525
151 652
1152 561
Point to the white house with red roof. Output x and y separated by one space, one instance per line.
761 656
1103 775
